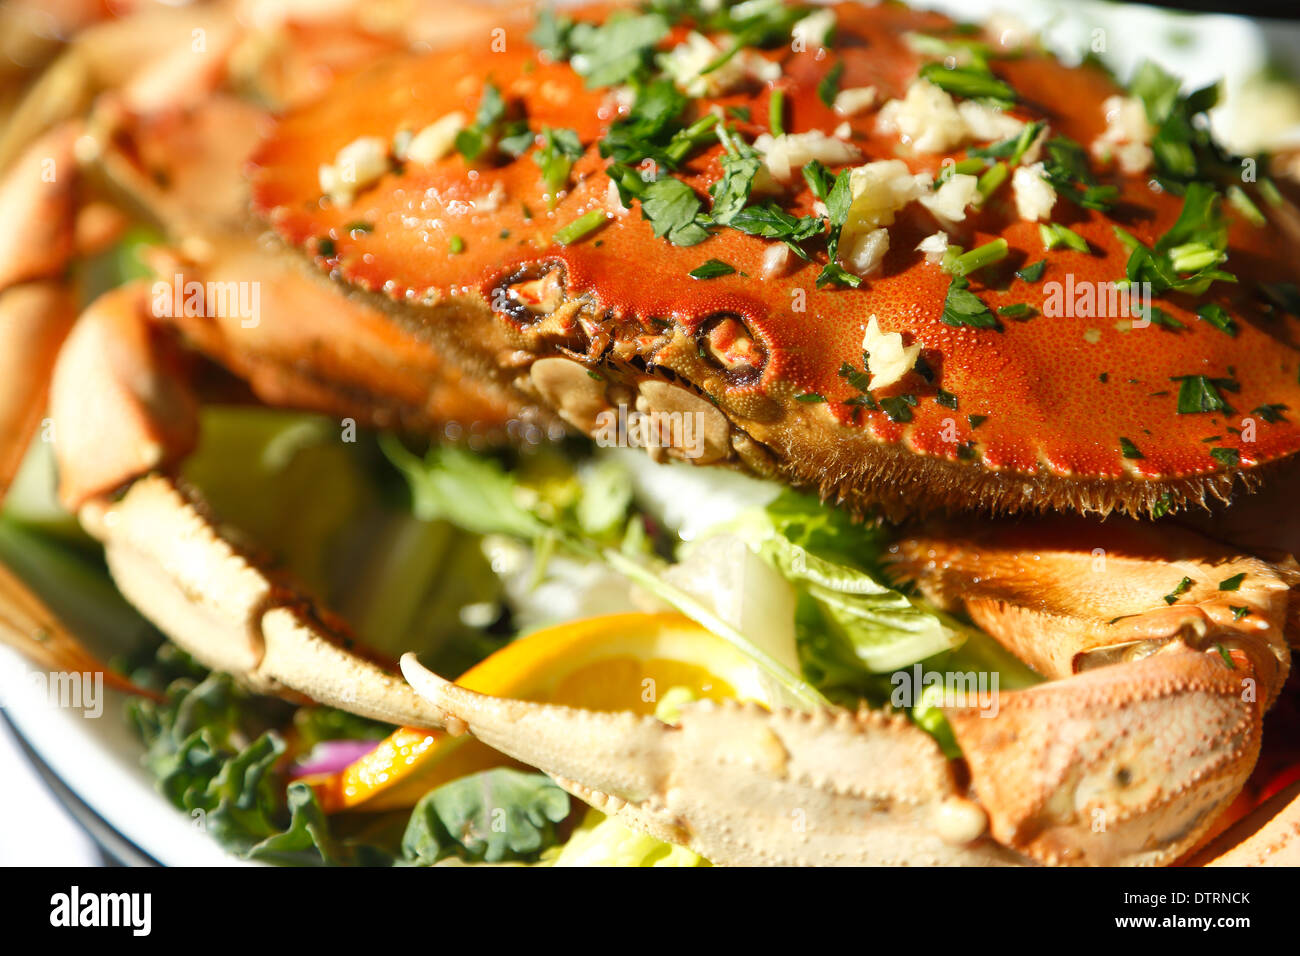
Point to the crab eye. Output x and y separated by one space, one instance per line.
727 342
531 293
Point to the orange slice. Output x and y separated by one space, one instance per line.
617 662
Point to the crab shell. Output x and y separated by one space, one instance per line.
1056 394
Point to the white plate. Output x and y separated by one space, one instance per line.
99 758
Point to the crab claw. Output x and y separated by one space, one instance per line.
170 561
1121 765
741 785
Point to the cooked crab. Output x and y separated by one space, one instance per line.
790 244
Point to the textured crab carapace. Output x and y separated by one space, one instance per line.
1041 404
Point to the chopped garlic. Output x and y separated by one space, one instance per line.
856 100
784 156
1127 136
865 252
987 122
686 63
926 117
1035 196
889 359
776 260
879 190
435 141
357 165
950 200
933 246
844 131
813 30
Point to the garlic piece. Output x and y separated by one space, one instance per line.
889 359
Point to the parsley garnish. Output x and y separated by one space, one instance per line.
899 408
1218 317
1065 163
859 380
1185 258
1014 148
1033 272
616 51
971 81
731 192
1228 457
1238 612
1130 450
946 399
811 398
963 307
1200 393
1183 587
1232 583
1271 413
975 421
713 269
1017 310
560 147
829 87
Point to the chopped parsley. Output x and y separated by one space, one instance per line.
946 399
1182 588
838 203
1065 164
456 245
1014 148
899 408
859 380
731 192
829 87
1232 583
1217 316
1271 413
973 82
1228 457
617 51
1183 148
1185 258
1201 393
1238 612
1017 310
560 148
810 398
1130 450
961 307
713 269
975 421
1032 272
491 130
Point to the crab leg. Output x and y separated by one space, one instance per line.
1117 764
123 418
740 785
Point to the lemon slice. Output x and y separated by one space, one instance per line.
623 662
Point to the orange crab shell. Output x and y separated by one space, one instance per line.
1042 403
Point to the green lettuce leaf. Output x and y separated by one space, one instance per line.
493 817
